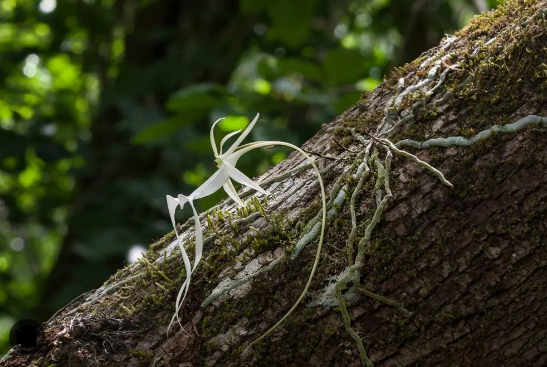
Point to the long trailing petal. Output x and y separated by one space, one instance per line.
258 144
251 146
242 179
226 138
212 137
172 204
231 191
181 296
186 260
212 184
234 157
199 236
242 136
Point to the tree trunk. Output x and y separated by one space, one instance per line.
458 274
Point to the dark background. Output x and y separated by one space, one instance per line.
105 107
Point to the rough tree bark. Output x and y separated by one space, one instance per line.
468 262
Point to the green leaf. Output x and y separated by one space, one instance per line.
201 145
29 177
190 104
66 74
233 123
158 130
195 177
367 84
295 65
343 66
251 6
261 86
196 97
196 102
291 21
167 127
267 67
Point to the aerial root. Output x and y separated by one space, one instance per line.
383 197
430 168
347 321
384 300
357 264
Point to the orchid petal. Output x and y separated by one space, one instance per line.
181 296
226 138
242 136
212 184
199 235
184 288
187 266
172 204
212 136
234 157
254 145
242 179
231 191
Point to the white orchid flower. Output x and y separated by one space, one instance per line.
225 163
226 169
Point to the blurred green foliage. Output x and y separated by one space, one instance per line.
105 107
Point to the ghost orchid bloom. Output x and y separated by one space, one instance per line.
225 163
226 169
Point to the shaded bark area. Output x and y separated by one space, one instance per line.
468 262
472 261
